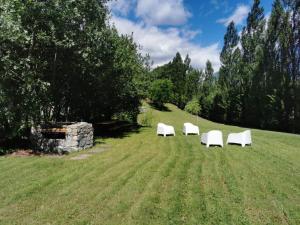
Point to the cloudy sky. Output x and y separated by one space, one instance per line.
194 27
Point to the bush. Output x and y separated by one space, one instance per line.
146 118
193 107
161 92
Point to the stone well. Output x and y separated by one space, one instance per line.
63 138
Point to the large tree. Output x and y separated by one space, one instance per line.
292 7
208 90
61 61
252 42
230 77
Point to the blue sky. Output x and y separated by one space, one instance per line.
194 27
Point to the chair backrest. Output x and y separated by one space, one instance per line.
214 133
161 124
188 124
247 136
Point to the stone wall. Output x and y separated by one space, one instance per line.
77 136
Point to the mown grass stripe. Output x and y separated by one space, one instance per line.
195 203
148 211
145 179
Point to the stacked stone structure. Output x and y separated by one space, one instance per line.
64 138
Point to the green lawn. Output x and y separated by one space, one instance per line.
145 179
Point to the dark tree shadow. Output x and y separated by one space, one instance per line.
11 145
109 129
160 107
114 129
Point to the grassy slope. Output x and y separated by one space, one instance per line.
145 179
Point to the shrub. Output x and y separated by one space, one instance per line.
193 107
160 92
146 118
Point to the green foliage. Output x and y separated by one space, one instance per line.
207 91
227 58
161 92
193 83
182 76
258 84
61 61
146 118
218 109
193 107
227 104
259 78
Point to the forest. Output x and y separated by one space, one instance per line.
62 60
258 84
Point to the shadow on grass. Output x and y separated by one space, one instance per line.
114 129
11 145
162 108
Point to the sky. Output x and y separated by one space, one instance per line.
194 27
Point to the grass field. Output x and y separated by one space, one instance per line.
145 179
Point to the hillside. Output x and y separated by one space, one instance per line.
139 178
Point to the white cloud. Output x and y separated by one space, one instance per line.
162 12
238 16
162 44
120 7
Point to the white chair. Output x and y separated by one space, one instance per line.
163 129
243 138
189 128
214 137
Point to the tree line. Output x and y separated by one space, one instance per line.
258 84
61 60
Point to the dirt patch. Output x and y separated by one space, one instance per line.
25 153
98 150
31 153
80 157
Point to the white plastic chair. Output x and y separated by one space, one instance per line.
243 138
189 128
163 129
214 137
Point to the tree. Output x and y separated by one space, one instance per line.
292 8
252 42
62 61
161 92
208 91
193 83
177 71
231 40
193 107
229 79
209 72
276 110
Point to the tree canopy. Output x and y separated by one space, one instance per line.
61 61
259 79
